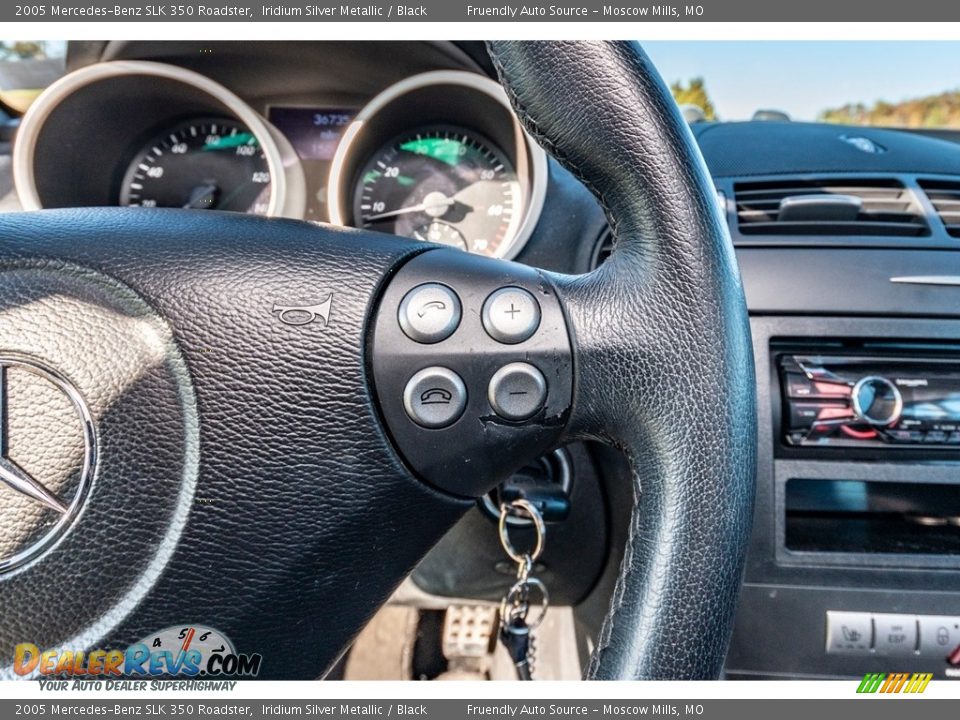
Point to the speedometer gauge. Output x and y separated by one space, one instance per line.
446 185
201 164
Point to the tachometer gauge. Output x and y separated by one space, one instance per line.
200 164
446 185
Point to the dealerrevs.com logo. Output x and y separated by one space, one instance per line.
185 651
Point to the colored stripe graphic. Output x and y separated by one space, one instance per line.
897 683
919 682
894 683
871 682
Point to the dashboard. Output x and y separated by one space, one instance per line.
847 240
437 156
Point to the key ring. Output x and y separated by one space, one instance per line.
510 601
540 529
524 568
515 633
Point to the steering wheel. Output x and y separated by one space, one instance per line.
260 425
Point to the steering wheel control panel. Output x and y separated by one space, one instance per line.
472 368
871 402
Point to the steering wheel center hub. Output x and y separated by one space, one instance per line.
47 457
98 462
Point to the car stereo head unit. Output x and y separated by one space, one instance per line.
868 401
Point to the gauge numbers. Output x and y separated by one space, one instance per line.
443 185
201 165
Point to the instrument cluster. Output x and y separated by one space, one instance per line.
438 157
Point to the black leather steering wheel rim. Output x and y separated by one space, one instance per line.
268 458
662 341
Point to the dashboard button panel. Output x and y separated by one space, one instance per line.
933 637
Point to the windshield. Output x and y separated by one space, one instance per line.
26 68
884 84
902 84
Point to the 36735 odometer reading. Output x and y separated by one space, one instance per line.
445 185
200 164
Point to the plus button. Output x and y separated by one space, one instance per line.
511 315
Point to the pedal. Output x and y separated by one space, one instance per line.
469 635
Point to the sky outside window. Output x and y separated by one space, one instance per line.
805 78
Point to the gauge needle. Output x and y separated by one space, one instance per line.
434 204
202 196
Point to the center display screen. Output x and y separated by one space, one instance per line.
315 133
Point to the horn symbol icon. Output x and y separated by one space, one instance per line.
305 314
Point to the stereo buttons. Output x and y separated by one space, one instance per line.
876 401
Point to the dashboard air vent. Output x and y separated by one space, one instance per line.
944 195
854 206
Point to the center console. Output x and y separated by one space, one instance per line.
854 565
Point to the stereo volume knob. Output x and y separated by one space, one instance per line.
876 401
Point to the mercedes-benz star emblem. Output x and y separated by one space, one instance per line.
41 496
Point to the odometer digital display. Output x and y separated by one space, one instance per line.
315 133
446 185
